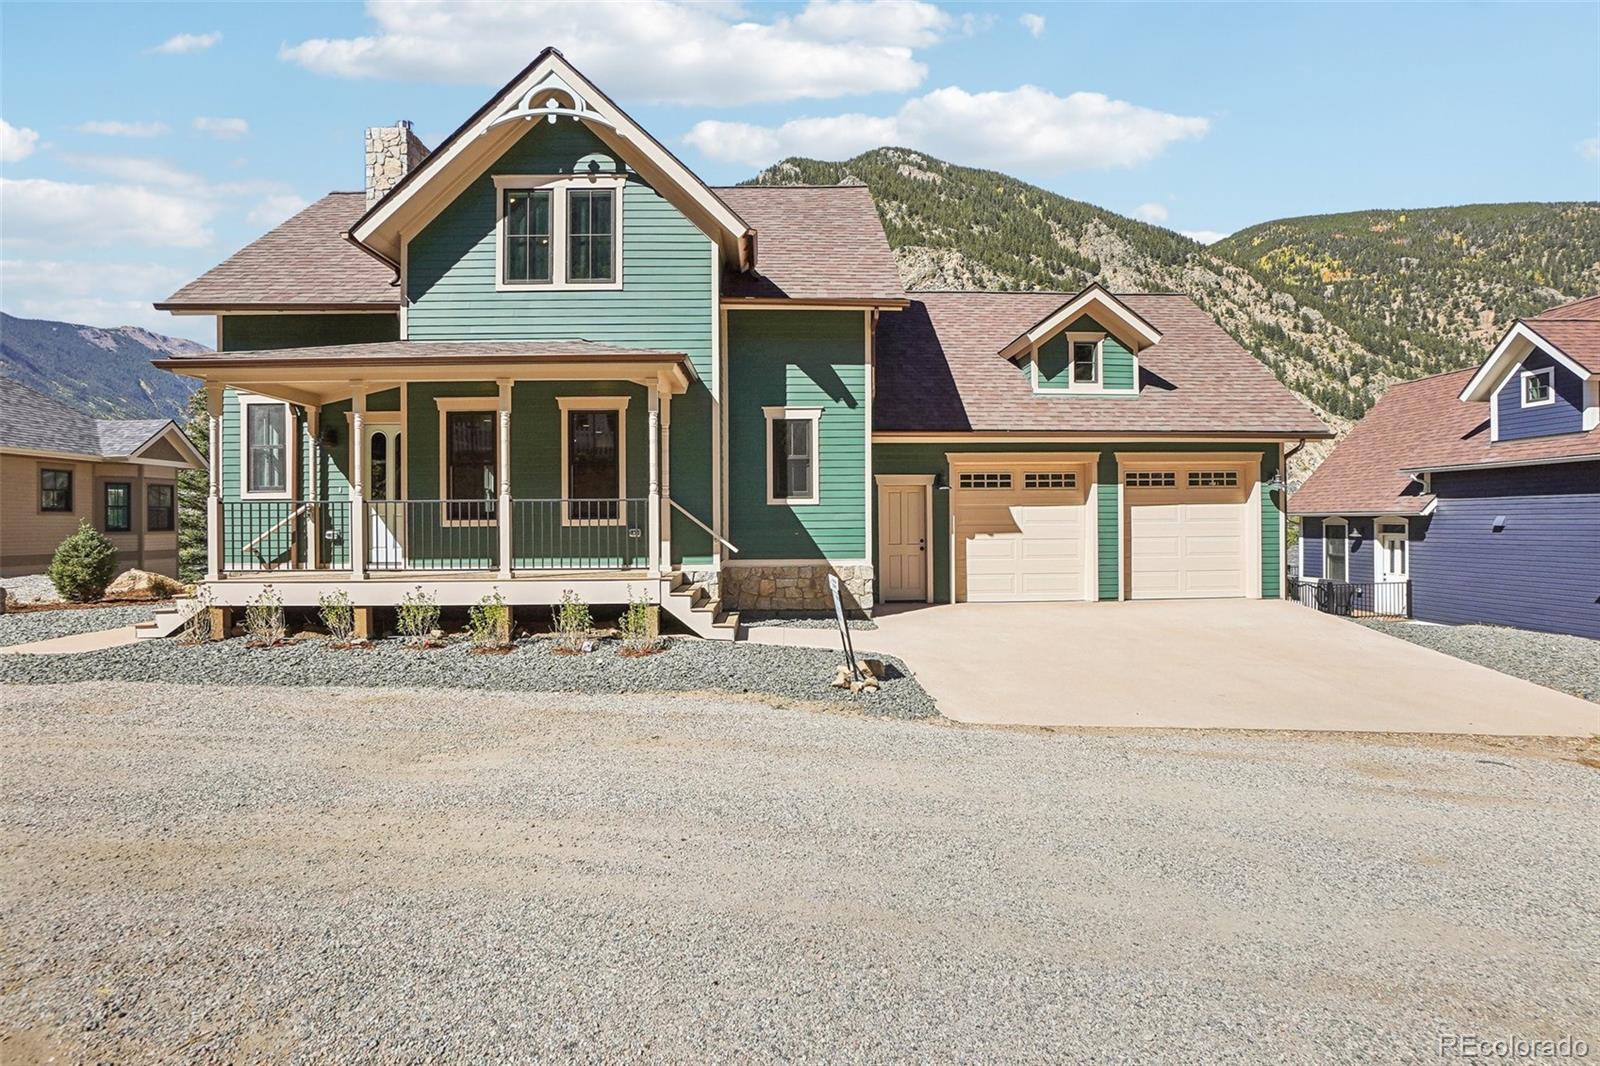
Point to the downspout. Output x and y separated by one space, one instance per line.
379 256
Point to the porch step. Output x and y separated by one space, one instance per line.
167 620
692 605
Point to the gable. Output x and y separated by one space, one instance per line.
1515 419
1119 367
1113 314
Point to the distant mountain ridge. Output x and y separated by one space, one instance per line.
102 372
1338 306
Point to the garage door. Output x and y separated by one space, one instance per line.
1022 533
1188 532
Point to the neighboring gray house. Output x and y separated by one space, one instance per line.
59 466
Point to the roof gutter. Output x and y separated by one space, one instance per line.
1503 464
379 256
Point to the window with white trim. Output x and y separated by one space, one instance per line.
1213 479
1150 479
267 452
1539 387
1049 479
560 231
1335 551
989 479
793 444
1085 362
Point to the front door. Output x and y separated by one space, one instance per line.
386 491
1392 562
903 541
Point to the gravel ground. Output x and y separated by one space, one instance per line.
29 626
1565 663
30 588
688 665
252 875
802 620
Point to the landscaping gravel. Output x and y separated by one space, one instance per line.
214 874
1555 660
25 627
802 620
687 665
30 588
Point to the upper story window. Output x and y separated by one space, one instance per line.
559 232
267 447
55 490
1085 362
1538 387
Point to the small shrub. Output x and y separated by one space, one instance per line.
197 630
337 615
573 624
83 565
638 627
263 619
417 616
489 622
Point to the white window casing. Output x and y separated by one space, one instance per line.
1544 381
1330 527
246 492
813 415
558 186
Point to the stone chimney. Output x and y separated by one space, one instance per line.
392 153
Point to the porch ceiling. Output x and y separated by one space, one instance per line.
321 374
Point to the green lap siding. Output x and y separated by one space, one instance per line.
245 333
798 359
1055 359
666 300
1108 523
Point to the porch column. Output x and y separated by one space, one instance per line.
313 487
666 480
358 480
502 477
653 449
214 555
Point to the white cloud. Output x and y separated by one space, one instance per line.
140 170
274 208
657 51
114 128
1589 148
58 213
1025 129
224 129
1034 24
184 43
1151 212
16 142
1204 236
98 294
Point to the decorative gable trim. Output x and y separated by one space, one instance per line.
1519 340
548 80
1115 316
178 440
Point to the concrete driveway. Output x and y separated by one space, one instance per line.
1202 664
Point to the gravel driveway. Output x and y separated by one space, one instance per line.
1555 660
317 875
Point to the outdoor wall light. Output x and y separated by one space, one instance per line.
941 483
330 436
1499 524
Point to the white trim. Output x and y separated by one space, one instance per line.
1522 338
291 434
925 482
1549 374
1591 404
483 405
719 409
1068 312
618 404
1343 539
558 185
869 499
796 414
1379 548
1553 460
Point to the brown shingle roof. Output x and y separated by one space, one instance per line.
939 371
1574 328
1419 425
813 243
392 352
304 262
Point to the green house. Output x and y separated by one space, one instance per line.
545 356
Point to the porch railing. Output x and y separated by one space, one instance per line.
1354 599
432 535
283 534
579 534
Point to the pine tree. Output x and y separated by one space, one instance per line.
193 486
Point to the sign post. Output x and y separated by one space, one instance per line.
844 629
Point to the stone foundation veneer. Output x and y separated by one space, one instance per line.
796 587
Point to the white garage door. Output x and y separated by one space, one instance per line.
1021 534
1188 533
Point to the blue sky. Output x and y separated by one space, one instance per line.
142 143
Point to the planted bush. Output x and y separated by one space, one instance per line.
83 565
416 617
263 619
489 623
198 629
638 625
338 616
573 624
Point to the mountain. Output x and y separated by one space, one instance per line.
1337 309
103 372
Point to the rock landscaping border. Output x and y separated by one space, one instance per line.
1555 660
686 665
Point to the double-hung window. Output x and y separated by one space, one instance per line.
266 447
159 511
470 454
594 459
55 490
1335 552
559 231
1085 362
119 506
792 454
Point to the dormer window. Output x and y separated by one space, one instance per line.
1085 362
559 232
1538 387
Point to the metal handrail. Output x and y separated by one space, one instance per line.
726 543
255 545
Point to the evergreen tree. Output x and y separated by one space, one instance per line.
193 485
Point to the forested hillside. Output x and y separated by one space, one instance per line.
103 372
1338 309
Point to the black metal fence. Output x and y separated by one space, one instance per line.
1354 599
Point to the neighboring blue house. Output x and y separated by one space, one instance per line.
1474 496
